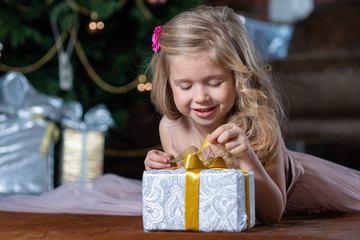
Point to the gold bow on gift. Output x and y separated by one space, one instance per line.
193 166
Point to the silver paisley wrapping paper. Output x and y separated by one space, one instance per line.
222 205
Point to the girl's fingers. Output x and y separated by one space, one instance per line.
157 160
239 150
214 136
159 156
232 138
225 133
229 135
151 165
231 145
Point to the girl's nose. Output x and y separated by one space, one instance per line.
201 96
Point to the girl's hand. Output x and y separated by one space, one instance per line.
233 139
157 160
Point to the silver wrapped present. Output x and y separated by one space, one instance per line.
82 146
27 135
226 200
24 168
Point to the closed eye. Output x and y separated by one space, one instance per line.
215 83
184 87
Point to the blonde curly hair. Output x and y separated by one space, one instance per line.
258 110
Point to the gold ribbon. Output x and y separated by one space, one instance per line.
247 192
193 166
51 134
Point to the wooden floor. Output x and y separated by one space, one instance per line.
76 226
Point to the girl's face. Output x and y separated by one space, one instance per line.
202 90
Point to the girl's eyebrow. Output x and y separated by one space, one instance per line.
181 80
209 77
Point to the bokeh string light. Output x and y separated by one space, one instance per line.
94 26
143 85
141 82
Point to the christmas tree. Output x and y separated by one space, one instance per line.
91 51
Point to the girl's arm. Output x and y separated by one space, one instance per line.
270 188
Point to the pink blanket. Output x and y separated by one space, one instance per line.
109 195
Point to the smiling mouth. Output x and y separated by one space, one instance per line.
205 109
204 112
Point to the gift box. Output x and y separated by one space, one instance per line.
218 199
82 144
27 135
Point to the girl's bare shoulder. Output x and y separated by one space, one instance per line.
180 124
176 132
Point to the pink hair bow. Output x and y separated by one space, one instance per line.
155 43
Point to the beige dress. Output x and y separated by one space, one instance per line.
313 184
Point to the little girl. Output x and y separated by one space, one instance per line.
208 79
